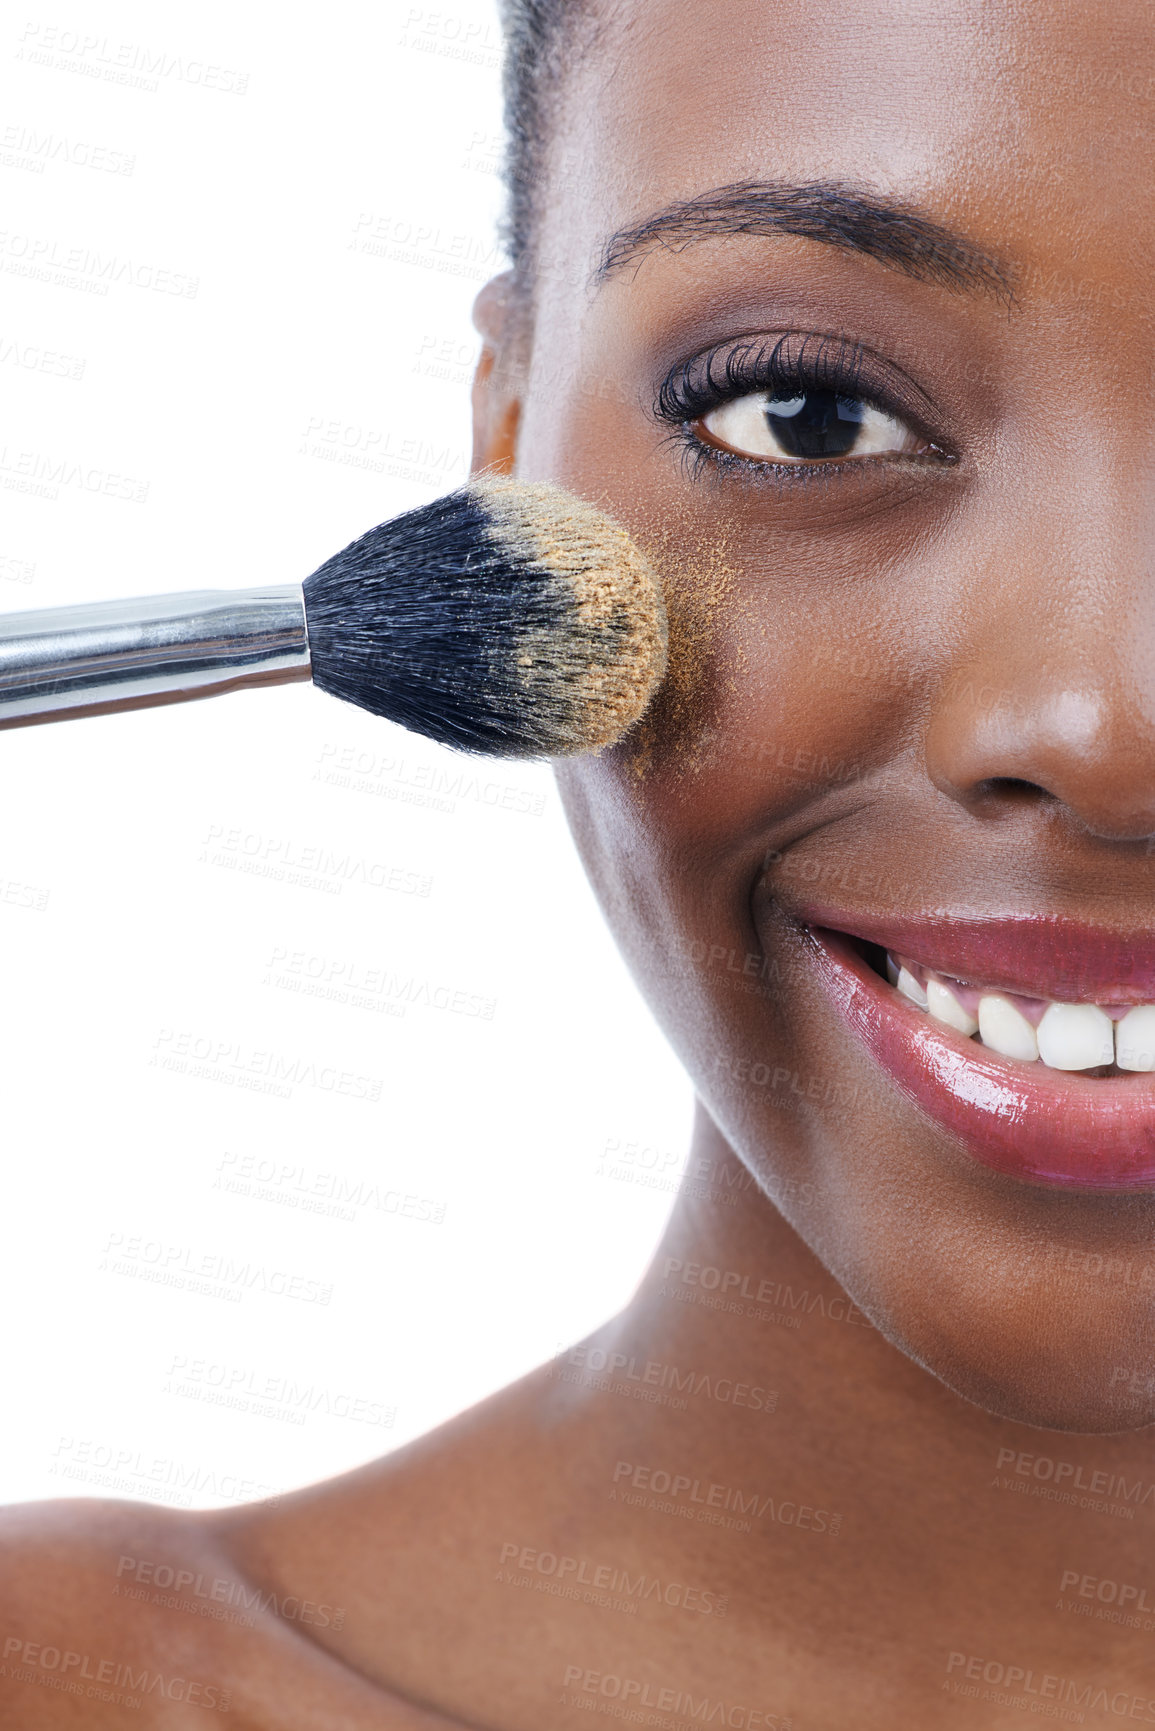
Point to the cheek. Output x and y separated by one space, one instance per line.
776 717
772 707
675 885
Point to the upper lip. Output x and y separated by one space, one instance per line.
1035 955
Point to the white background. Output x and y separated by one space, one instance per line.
239 249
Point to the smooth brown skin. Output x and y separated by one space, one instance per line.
863 618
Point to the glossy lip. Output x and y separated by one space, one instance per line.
1036 956
1049 1127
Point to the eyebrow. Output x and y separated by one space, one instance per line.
852 218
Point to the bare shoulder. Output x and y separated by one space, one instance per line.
86 1623
116 1612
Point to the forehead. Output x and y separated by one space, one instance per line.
1027 126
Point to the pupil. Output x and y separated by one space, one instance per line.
819 424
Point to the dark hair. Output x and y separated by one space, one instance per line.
537 35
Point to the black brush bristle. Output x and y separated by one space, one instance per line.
442 621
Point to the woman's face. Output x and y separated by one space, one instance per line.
912 587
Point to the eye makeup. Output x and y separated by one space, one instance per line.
807 427
795 401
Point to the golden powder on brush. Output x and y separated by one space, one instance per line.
599 673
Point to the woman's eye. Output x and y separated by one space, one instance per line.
812 425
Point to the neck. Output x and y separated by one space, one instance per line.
907 1505
737 1491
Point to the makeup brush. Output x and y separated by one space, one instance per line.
507 618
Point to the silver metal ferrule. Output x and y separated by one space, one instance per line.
104 656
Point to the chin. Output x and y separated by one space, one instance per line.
1079 1404
1055 1356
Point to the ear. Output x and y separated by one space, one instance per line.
497 382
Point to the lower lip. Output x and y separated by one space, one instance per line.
1047 1126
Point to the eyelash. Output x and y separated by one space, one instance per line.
693 388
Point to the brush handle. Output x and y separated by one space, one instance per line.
108 655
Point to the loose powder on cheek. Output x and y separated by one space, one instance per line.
703 613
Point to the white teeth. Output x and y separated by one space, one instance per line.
1135 1039
910 988
945 1007
1076 1037
1004 1030
1068 1036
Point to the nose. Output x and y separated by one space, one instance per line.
1051 694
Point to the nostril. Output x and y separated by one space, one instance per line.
1012 790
